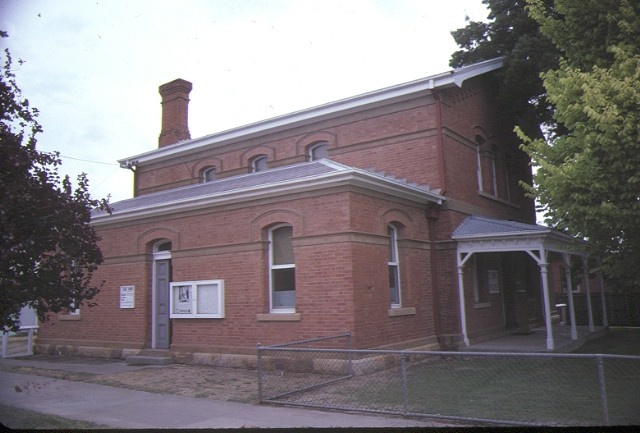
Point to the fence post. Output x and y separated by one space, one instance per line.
5 343
603 390
405 403
349 355
259 373
30 342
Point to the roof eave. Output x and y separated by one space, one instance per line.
439 81
355 178
543 235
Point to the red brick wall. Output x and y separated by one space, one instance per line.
341 274
398 139
108 324
469 112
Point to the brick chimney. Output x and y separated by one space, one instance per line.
175 107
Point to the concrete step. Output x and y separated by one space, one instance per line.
150 357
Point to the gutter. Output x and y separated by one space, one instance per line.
333 109
352 177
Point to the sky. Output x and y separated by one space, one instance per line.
93 67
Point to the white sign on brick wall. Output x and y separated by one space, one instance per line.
127 296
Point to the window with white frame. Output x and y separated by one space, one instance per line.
197 299
485 159
208 174
282 271
74 309
494 175
74 305
318 151
479 165
394 268
259 163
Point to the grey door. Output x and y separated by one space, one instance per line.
161 286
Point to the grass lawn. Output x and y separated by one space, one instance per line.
618 341
538 390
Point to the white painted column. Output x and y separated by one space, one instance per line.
585 265
463 313
544 275
572 311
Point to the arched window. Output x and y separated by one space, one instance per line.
162 246
259 163
208 174
318 151
479 143
394 267
282 271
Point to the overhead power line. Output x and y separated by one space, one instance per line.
87 160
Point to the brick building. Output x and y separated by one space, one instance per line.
352 215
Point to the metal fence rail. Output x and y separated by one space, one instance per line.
499 388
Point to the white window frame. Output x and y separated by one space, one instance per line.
273 267
315 147
254 163
494 178
207 172
74 311
395 263
188 309
479 168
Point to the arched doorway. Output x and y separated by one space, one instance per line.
161 277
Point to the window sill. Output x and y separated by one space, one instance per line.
498 199
278 317
482 305
70 317
406 311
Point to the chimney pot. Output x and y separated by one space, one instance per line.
175 112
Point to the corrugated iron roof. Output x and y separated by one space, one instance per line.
290 174
478 226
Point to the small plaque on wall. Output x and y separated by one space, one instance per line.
127 296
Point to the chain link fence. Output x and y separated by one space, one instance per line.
497 388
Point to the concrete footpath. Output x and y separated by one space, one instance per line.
125 408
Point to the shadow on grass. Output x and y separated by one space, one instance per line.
618 341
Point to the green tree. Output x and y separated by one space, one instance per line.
511 33
588 178
48 249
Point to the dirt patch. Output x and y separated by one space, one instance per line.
215 383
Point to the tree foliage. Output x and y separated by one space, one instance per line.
511 33
588 179
575 64
48 249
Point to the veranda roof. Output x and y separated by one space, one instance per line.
481 234
478 234
479 226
